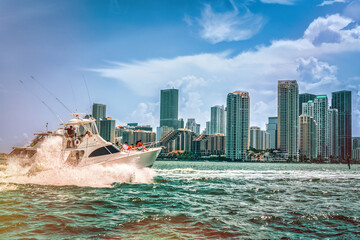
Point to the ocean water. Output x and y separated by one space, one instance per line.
183 200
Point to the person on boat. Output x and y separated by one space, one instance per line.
125 146
140 146
71 134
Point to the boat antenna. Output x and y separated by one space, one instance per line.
47 106
73 92
87 89
51 94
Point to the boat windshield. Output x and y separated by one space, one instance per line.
86 129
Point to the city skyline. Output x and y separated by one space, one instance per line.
125 52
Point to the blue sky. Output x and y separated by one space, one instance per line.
128 50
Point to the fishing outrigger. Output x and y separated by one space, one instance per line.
82 146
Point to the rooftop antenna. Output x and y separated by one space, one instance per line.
47 106
52 94
87 89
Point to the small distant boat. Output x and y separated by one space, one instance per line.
83 146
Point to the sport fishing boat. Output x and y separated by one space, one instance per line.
82 146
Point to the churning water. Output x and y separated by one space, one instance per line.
184 200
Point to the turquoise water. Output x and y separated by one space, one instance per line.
187 200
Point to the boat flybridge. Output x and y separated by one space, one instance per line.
82 145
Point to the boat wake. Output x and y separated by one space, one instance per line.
48 168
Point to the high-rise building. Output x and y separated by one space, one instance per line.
107 130
288 116
259 139
217 120
271 128
99 113
333 132
169 108
237 125
304 98
193 126
341 101
321 106
355 142
207 128
307 137
181 123
319 110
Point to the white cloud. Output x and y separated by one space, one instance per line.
205 79
285 2
314 74
228 26
330 2
146 114
352 10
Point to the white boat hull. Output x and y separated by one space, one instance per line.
137 158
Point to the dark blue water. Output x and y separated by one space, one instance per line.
192 200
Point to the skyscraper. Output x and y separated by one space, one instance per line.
321 107
181 123
169 108
271 128
193 126
304 98
333 132
237 125
217 120
107 128
259 139
319 110
307 137
99 113
288 115
341 100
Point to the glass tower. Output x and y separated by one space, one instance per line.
237 125
341 101
169 108
288 116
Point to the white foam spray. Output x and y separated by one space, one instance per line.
48 168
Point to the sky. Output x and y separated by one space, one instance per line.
125 52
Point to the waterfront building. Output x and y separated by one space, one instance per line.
307 137
132 136
333 133
135 126
319 110
237 125
207 128
181 123
169 108
259 139
99 113
288 116
164 130
355 142
308 108
214 144
304 98
178 140
217 120
341 101
271 128
356 154
193 126
321 107
107 129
